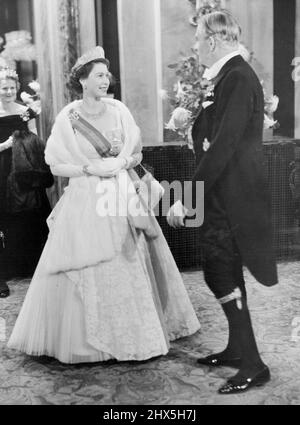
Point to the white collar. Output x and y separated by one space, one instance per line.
214 70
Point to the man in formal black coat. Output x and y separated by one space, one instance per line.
227 136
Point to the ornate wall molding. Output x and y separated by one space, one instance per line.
58 46
69 40
296 73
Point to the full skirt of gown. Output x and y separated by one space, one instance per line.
128 307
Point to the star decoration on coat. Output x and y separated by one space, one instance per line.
206 145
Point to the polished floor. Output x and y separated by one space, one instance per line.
173 379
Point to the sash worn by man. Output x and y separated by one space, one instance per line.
227 138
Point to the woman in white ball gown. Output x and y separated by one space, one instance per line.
103 289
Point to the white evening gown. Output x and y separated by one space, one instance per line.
108 311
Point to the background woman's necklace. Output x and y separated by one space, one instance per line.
93 115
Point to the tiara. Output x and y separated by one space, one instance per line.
91 55
8 73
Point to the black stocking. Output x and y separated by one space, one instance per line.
242 336
233 349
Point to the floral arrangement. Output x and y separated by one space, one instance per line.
189 94
192 90
202 7
32 101
17 46
3 63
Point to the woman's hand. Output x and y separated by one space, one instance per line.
7 144
107 168
32 126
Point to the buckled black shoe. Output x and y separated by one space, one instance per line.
4 290
215 360
237 386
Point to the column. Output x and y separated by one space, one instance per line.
140 63
178 37
256 18
87 23
296 72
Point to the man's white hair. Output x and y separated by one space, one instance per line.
222 25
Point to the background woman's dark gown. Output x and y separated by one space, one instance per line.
25 229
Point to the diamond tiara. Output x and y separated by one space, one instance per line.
91 55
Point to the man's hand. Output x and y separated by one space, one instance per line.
176 215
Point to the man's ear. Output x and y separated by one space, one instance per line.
83 83
212 43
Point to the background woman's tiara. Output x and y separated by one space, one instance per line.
91 55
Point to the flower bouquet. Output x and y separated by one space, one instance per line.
271 105
33 101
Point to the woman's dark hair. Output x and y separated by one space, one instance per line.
82 73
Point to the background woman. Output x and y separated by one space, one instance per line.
23 176
103 288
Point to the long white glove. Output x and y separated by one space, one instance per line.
133 160
67 170
107 168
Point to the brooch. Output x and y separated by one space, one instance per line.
25 115
74 115
206 145
114 151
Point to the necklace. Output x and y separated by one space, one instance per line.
94 115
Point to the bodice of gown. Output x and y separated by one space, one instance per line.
9 124
114 135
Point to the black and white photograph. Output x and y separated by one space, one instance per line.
149 205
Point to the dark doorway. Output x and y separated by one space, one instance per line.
108 37
284 52
8 16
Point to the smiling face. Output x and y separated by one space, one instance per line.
97 83
8 90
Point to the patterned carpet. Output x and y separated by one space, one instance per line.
175 378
